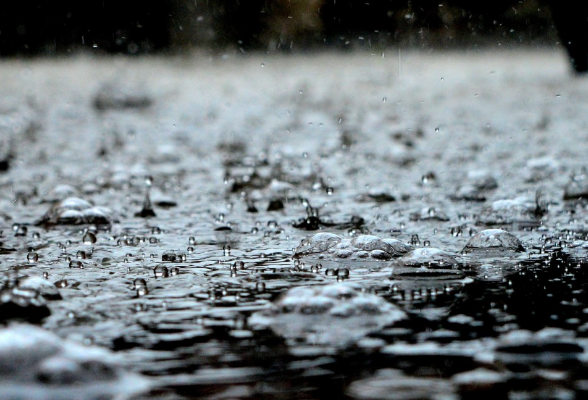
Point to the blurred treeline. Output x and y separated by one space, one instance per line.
32 27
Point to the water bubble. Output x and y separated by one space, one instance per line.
32 257
161 271
81 254
494 239
343 272
192 241
330 191
76 264
174 271
89 238
272 224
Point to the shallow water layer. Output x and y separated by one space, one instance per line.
167 210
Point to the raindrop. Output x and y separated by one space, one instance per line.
148 181
139 283
343 272
32 257
20 230
238 265
147 210
61 284
89 238
161 271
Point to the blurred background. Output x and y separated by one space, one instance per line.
43 27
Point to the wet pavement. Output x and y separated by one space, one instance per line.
398 225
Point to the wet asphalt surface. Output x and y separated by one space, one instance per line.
295 226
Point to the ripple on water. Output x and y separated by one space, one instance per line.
520 210
427 263
36 364
333 315
389 384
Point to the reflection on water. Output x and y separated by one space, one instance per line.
232 231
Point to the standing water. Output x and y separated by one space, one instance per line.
194 229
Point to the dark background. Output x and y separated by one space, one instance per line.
44 27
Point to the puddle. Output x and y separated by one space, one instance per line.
222 230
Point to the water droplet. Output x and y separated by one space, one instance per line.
330 191
260 287
89 238
192 241
61 283
238 265
226 250
343 272
20 230
81 254
148 181
161 271
32 257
